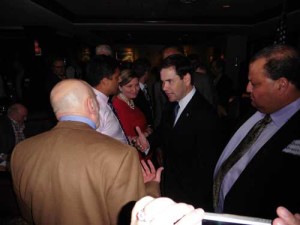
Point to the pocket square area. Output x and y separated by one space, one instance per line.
293 148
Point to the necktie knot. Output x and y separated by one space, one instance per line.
267 119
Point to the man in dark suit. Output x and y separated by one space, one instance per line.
188 140
12 127
57 73
141 67
266 176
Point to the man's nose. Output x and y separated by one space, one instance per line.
249 88
164 86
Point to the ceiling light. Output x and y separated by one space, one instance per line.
187 1
226 6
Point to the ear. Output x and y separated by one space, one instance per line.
187 79
104 81
283 84
91 106
120 88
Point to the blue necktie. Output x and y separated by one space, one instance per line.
176 109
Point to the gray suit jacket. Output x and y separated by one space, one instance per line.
204 85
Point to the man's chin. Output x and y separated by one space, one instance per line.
253 103
257 107
171 100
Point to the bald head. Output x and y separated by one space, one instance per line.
73 97
104 50
171 50
17 112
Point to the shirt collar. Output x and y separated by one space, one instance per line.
142 86
282 115
12 120
101 95
186 99
79 119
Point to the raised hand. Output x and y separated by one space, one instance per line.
149 171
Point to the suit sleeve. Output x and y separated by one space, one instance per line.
127 186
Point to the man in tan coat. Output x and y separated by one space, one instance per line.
73 174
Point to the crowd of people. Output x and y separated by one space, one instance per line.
108 150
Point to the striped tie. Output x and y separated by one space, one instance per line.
239 151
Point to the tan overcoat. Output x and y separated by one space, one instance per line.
75 175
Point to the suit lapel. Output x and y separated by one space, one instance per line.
186 113
289 132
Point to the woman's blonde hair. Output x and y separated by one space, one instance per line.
126 76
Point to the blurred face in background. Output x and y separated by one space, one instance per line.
131 89
58 68
18 113
22 115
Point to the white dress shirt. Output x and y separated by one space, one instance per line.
109 123
144 89
183 103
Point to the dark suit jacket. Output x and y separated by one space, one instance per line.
189 151
7 135
271 178
224 90
145 106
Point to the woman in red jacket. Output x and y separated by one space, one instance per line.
130 116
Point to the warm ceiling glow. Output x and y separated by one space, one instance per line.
187 1
226 6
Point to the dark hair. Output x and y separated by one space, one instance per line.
181 64
101 66
126 76
141 66
281 61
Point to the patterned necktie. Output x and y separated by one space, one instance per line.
146 93
239 151
148 98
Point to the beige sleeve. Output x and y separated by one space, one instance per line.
153 189
127 185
